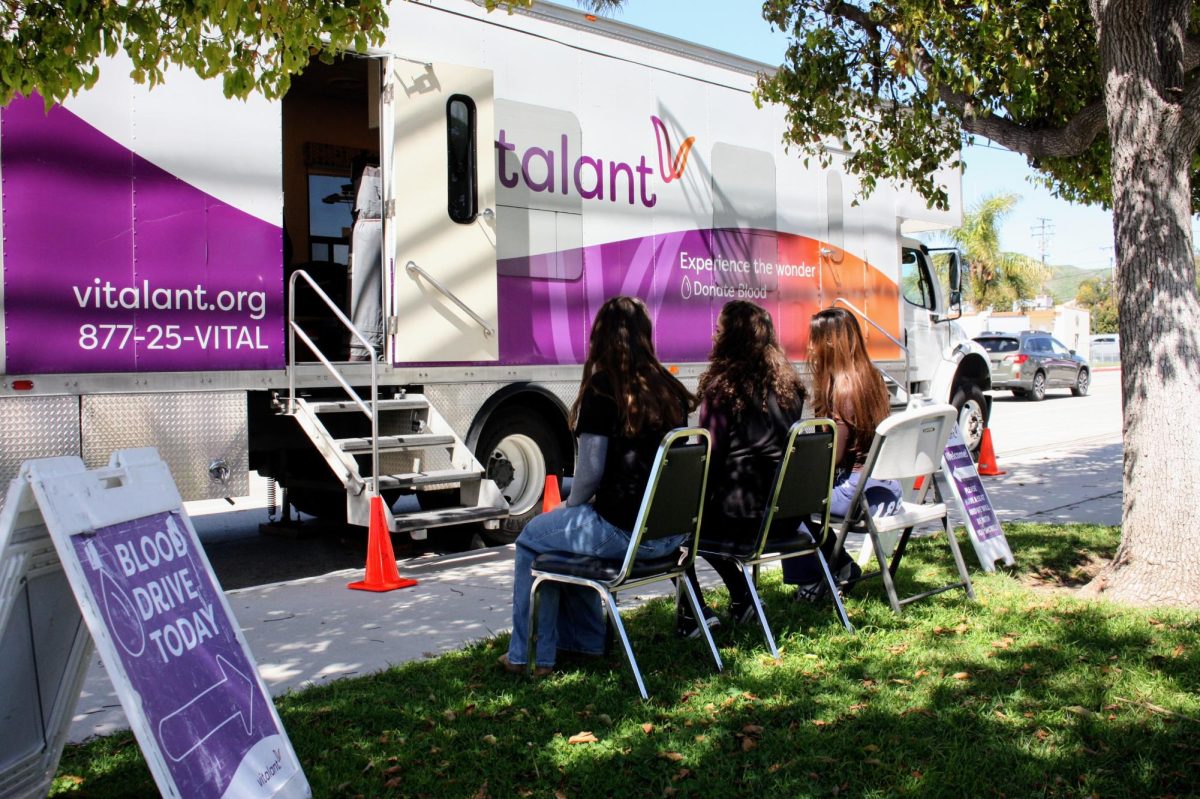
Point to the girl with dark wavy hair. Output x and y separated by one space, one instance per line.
627 401
848 389
750 396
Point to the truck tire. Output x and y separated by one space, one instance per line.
971 405
518 449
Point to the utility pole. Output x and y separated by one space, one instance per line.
1044 231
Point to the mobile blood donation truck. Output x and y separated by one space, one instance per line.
385 280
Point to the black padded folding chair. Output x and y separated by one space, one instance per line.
800 493
907 446
671 506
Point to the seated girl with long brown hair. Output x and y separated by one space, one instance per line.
750 396
627 402
848 389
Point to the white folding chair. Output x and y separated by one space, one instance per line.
670 507
907 446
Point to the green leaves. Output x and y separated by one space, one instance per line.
899 78
255 45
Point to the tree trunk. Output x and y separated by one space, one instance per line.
1158 561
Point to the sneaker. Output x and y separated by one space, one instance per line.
743 613
686 627
810 592
847 577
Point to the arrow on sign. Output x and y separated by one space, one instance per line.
229 699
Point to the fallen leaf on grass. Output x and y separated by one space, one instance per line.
819 723
753 729
919 673
748 743
960 675
1177 651
682 774
674 757
870 748
559 794
393 771
873 761
482 793
394 782
647 728
898 649
584 737
1079 711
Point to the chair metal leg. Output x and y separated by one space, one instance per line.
535 598
885 570
833 589
694 601
615 614
958 559
758 608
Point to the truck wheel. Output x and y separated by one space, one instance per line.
972 415
1082 382
1038 392
518 449
1020 393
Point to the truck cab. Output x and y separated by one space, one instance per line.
943 362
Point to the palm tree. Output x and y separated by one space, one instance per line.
996 279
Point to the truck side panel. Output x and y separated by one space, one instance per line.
113 263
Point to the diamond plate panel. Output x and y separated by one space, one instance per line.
191 431
458 403
35 427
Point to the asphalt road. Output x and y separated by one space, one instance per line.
1021 427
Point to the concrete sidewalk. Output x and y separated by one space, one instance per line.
307 632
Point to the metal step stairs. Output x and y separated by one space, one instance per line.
418 452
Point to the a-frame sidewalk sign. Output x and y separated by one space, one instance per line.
983 528
111 552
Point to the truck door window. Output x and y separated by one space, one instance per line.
915 282
462 198
330 200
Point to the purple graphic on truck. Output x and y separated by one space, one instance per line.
178 649
112 264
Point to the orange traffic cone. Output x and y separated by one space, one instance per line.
987 457
381 560
550 497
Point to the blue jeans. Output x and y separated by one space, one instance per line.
882 495
570 617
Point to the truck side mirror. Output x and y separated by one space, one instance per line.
955 276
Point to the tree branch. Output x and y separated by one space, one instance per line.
1071 139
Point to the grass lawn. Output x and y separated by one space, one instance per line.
1026 693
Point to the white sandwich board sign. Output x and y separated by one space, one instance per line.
162 626
983 528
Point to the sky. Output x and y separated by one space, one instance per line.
1082 235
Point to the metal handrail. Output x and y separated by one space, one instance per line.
889 336
413 268
294 330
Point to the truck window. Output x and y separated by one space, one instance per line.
330 200
462 197
915 282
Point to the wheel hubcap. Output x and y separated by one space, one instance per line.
518 467
970 424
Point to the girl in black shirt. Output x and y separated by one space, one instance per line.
627 401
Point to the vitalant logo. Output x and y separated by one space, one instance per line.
678 161
555 171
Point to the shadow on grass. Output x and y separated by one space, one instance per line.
1022 694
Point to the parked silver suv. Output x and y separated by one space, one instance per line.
1029 363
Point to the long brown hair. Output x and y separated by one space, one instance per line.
845 381
747 363
621 348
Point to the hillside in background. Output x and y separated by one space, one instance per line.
1064 281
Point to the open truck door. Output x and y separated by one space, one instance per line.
442 221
